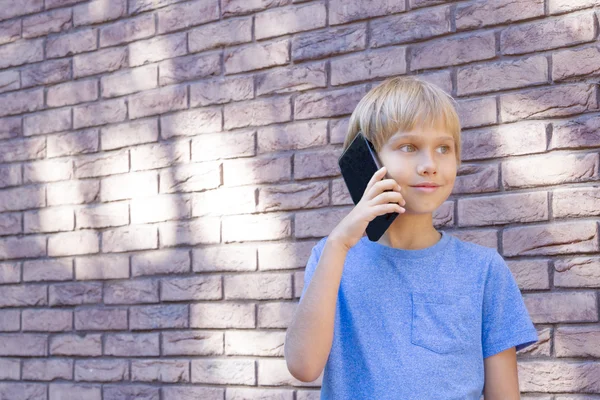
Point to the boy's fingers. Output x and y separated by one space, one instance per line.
376 177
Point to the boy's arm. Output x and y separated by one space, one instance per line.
310 334
501 376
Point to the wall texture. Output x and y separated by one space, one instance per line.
166 167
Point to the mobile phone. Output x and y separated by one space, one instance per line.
358 163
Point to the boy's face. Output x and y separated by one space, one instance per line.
429 155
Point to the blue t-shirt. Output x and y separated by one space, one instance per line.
417 324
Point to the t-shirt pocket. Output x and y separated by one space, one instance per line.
440 322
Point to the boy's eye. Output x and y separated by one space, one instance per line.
448 148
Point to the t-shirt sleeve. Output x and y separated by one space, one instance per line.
506 321
311 264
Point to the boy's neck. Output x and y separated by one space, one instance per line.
410 236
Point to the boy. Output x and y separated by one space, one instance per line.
418 314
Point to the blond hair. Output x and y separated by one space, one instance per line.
401 104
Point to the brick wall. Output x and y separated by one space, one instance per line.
163 164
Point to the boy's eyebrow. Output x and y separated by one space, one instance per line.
406 136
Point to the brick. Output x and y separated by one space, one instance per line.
557 169
555 101
317 164
276 314
444 215
21 198
105 266
22 52
99 113
158 317
333 41
20 295
575 202
10 127
273 227
23 344
328 104
47 370
131 392
375 64
264 169
338 129
219 91
295 136
47 320
160 262
22 247
128 30
10 31
158 101
129 238
102 164
10 272
256 56
194 288
224 371
576 341
76 344
71 93
405 28
160 371
9 80
103 215
220 146
562 307
157 49
76 293
224 201
274 372
129 134
293 196
73 243
257 112
129 81
305 222
504 140
160 208
503 209
477 112
249 394
97 11
290 20
49 220
194 342
106 319
47 122
222 33
533 36
131 344
190 177
10 369
131 292
137 6
342 12
194 392
74 391
541 347
487 13
232 257
187 68
453 51
222 315
99 62
559 238
72 143
290 79
21 102
254 343
101 370
185 15
71 43
49 22
128 186
191 122
60 3
483 237
577 272
561 6
193 232
10 224
572 63
11 9
501 76
160 155
236 7
45 73
477 179
73 192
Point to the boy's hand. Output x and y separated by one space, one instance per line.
380 197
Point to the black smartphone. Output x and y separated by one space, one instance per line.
358 164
